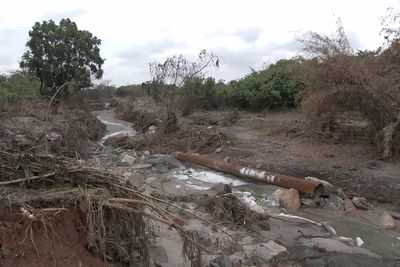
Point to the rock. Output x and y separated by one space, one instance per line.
221 189
146 153
159 256
373 165
218 150
203 237
348 205
135 179
139 166
387 222
221 261
395 215
308 202
172 161
53 137
334 202
290 200
276 195
264 252
152 128
22 140
127 160
360 203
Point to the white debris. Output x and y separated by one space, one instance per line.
359 242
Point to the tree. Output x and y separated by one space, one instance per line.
60 54
173 78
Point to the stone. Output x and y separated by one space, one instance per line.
139 166
290 200
387 222
348 205
127 160
264 252
276 195
221 261
152 128
308 202
135 179
22 140
334 202
146 153
218 150
360 203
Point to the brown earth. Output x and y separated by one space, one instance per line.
281 142
31 243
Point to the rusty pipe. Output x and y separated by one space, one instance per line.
305 186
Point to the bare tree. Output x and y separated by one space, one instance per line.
170 79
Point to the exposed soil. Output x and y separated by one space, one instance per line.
27 243
279 142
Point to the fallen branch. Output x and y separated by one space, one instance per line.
16 181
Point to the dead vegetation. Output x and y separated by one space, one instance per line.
116 220
227 207
201 139
69 132
340 82
143 112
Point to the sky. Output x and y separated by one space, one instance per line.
244 34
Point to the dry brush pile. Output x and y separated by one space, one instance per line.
338 81
118 218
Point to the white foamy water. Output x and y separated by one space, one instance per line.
207 177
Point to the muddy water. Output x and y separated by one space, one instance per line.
256 196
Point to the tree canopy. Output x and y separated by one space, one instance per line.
62 53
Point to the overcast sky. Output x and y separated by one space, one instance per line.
244 34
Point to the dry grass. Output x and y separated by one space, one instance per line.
340 82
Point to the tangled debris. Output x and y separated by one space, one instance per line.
195 138
228 207
117 218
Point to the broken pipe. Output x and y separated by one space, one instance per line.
306 186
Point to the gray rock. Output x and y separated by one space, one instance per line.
360 203
139 166
174 162
334 202
136 179
159 256
221 261
348 204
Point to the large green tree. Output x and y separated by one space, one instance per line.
58 54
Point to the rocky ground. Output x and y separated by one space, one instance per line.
288 240
235 222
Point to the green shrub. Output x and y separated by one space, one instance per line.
271 88
18 86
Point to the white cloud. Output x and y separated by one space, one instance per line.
244 33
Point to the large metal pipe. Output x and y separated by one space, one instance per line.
305 186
